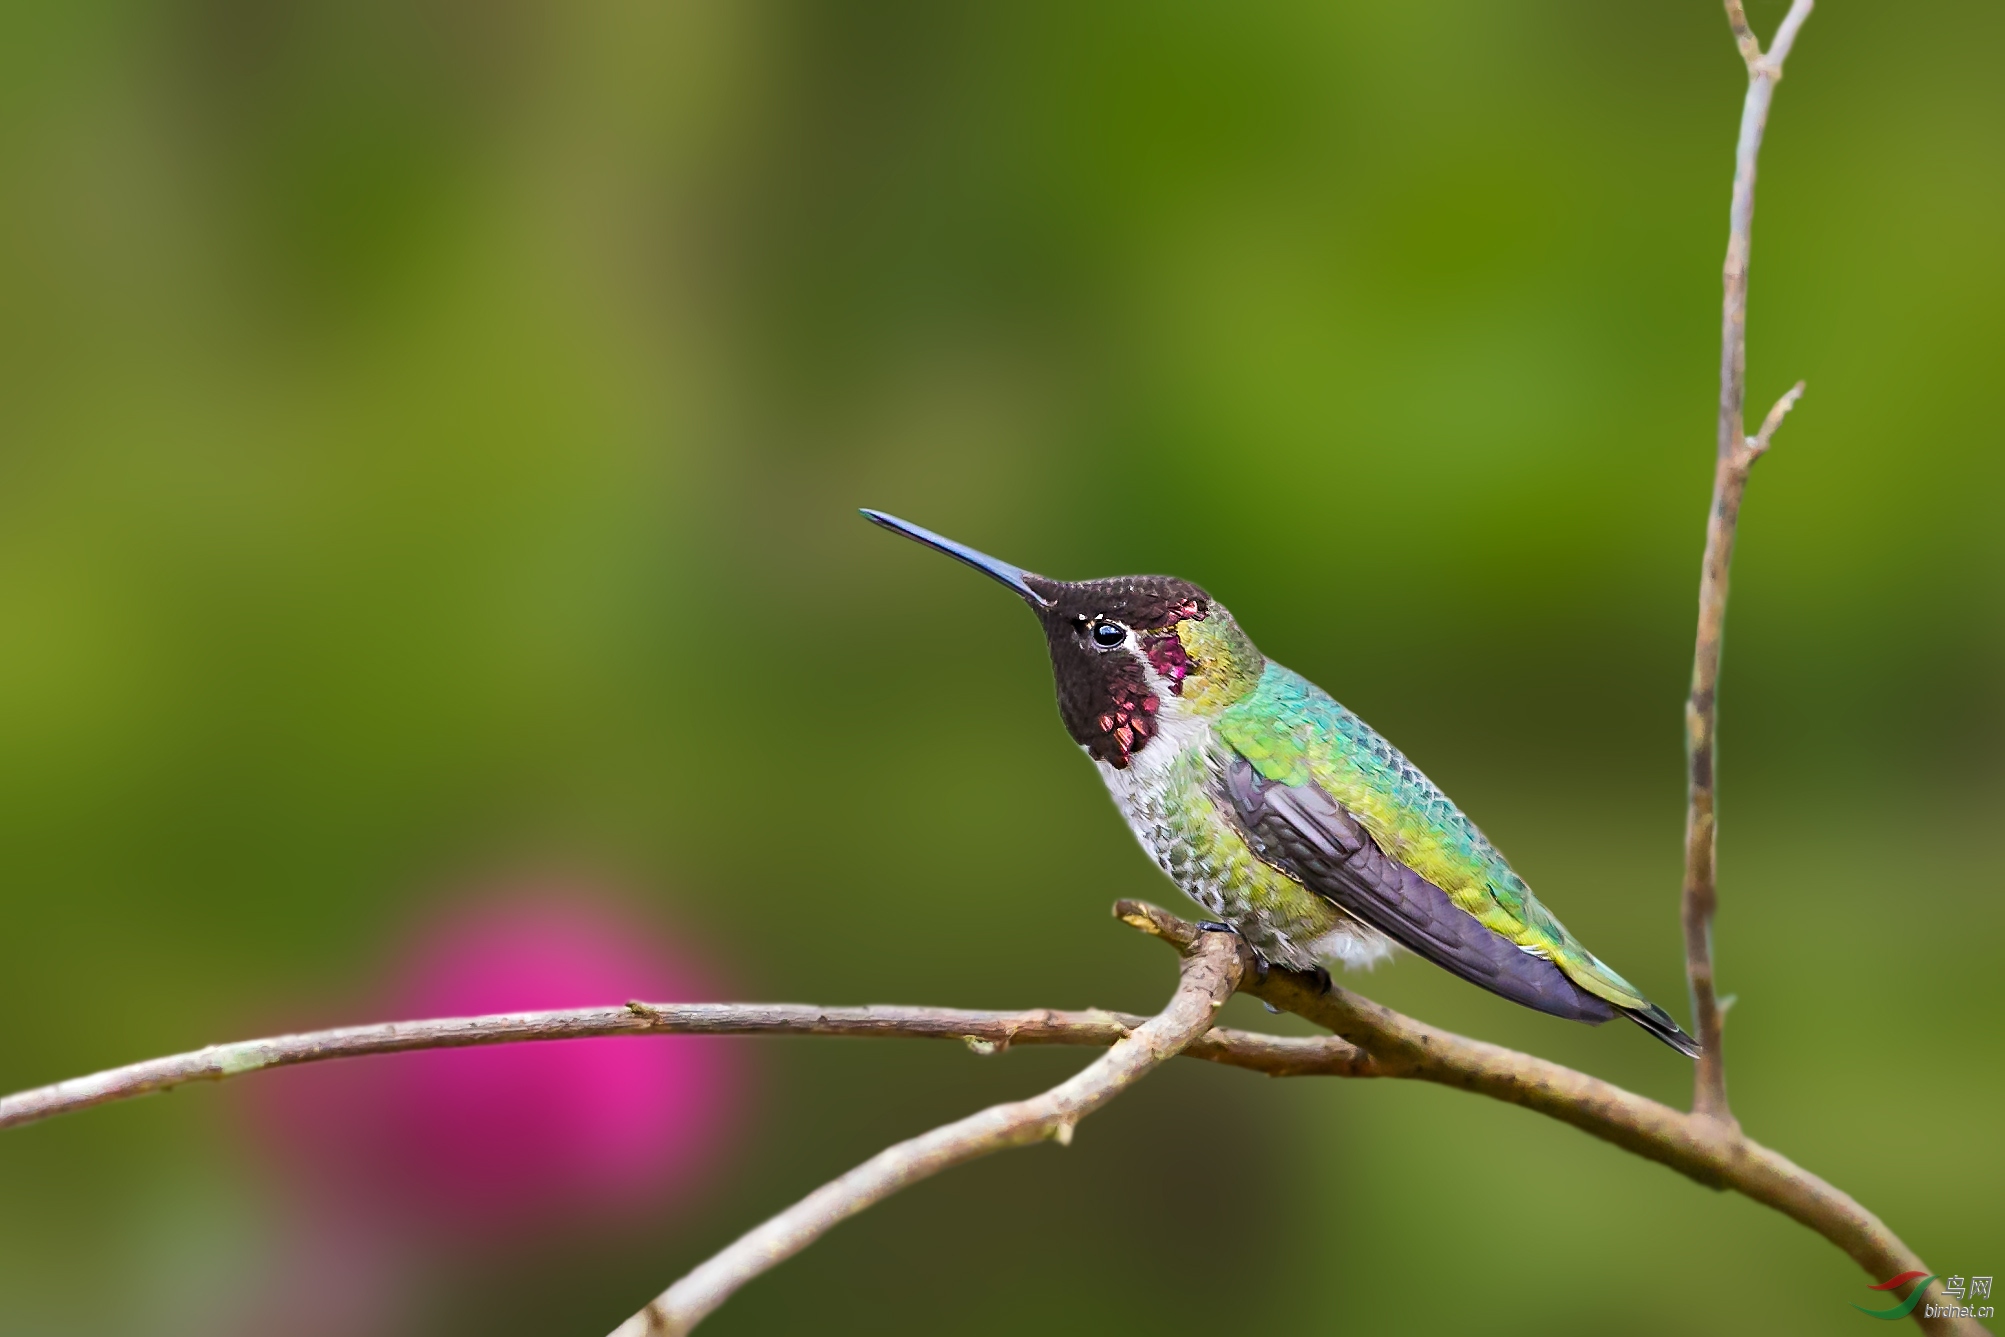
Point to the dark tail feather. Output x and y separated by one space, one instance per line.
1658 1022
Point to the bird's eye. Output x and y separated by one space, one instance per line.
1107 635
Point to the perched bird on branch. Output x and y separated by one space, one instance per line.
1280 811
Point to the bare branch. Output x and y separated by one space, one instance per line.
1712 1151
1735 456
987 1031
1211 971
1375 1042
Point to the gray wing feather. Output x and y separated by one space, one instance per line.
1310 836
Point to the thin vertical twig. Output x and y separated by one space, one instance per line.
1737 454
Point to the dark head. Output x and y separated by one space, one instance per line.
1131 654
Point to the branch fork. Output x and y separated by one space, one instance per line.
1212 967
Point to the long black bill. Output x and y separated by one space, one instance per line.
1012 576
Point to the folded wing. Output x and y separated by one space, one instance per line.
1310 836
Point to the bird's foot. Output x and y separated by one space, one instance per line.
1261 965
1320 977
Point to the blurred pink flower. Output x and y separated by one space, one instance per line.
512 1138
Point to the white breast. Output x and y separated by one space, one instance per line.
1145 793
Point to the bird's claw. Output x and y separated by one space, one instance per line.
1261 965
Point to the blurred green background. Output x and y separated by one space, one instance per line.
429 443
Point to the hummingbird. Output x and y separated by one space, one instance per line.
1281 812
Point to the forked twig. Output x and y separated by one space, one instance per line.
1375 1042
1211 970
